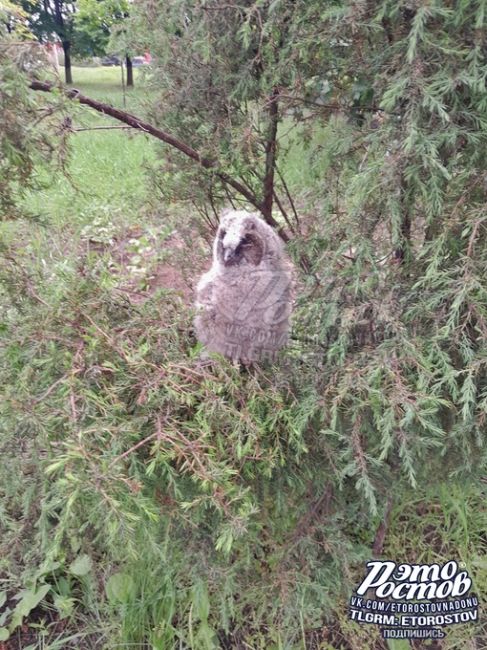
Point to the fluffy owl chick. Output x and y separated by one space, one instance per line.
244 301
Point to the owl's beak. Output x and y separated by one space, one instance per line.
228 254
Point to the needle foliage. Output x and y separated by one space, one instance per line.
167 504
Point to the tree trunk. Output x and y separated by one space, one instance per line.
67 62
403 251
270 154
130 71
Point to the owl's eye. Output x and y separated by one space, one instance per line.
222 233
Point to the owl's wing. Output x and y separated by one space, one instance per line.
204 320
204 293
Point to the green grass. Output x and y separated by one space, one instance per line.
105 83
107 168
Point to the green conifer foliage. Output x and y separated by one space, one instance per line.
236 509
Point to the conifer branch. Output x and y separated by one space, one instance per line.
164 136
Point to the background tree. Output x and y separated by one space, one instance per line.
101 29
47 18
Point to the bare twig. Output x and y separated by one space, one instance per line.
382 530
289 197
141 443
49 390
283 212
102 128
270 155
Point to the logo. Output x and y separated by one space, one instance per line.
414 601
267 299
253 317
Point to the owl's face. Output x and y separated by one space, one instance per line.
238 241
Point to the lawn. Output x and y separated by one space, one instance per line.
105 83
107 167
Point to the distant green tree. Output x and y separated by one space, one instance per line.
49 18
84 28
100 28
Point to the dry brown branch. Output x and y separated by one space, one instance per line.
380 535
141 443
137 123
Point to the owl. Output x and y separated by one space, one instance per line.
243 303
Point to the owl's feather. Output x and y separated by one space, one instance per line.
244 300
